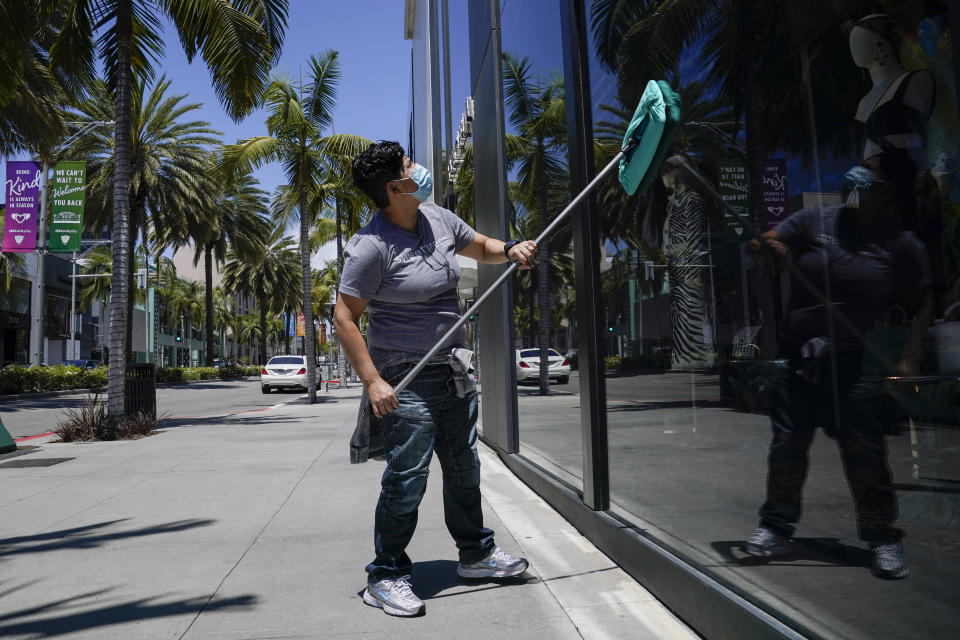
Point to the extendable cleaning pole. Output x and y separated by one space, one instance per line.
513 267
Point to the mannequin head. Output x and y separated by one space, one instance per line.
674 174
875 42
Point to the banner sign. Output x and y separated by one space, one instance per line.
23 206
735 190
774 192
68 189
301 325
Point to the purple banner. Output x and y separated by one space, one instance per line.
23 203
774 192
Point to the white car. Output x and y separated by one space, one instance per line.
528 365
284 371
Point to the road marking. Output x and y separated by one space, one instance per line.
42 435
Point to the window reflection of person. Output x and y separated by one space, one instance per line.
873 265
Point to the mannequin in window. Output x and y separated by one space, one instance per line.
685 245
896 110
895 114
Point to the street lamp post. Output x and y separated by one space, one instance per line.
83 261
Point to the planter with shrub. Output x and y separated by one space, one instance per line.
17 379
91 422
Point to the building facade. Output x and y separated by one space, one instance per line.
806 382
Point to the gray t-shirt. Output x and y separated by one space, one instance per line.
408 279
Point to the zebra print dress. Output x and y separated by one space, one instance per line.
685 245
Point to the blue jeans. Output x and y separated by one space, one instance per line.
797 407
430 418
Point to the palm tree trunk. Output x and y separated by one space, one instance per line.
341 357
131 283
309 346
119 286
262 342
543 288
208 299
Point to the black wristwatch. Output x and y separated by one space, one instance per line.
510 244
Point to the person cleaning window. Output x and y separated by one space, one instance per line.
402 268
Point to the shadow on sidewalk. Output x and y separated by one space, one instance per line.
141 609
253 420
88 537
433 577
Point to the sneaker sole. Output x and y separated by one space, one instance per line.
389 610
464 572
886 575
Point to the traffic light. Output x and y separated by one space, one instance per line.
179 336
610 329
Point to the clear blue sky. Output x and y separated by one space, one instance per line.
373 92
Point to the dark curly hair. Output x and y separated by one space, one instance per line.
374 168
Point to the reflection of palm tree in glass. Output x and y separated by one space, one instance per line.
538 113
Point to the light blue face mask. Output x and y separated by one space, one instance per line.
423 180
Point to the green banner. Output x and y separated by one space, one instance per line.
68 191
735 189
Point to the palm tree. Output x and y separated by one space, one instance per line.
234 215
222 317
269 276
185 302
238 41
32 88
168 173
538 113
250 330
298 115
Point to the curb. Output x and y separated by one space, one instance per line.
71 392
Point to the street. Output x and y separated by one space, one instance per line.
34 416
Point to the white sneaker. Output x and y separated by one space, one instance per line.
394 596
499 564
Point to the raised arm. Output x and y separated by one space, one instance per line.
491 251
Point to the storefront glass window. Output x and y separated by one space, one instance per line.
544 298
784 410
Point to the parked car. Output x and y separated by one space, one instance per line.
284 371
528 365
83 364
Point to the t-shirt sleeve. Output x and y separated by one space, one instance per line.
463 233
362 269
797 227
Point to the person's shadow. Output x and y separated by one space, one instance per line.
809 550
432 578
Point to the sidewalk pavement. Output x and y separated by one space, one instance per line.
257 526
